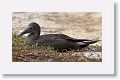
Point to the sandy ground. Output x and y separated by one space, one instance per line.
86 25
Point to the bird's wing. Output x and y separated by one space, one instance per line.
51 38
65 37
61 37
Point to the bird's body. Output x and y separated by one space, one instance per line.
57 41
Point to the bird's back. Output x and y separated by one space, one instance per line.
57 41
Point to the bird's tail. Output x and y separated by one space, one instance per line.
90 41
84 43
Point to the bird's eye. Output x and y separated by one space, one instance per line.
29 30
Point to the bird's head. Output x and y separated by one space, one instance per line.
32 28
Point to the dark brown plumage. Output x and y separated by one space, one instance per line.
57 41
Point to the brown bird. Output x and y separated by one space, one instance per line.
57 41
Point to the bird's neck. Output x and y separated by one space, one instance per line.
33 35
32 38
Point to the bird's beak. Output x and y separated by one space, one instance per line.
24 32
21 33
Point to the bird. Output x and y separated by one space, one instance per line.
59 42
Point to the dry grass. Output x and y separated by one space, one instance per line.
25 53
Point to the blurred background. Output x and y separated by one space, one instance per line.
86 25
